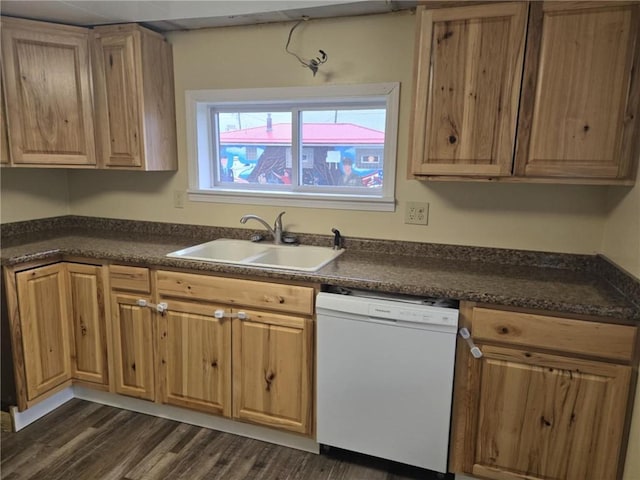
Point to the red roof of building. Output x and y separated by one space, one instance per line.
312 133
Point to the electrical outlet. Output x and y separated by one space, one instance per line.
178 199
416 213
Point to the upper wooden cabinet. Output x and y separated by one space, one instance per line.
574 96
580 101
48 88
135 112
468 72
60 79
4 138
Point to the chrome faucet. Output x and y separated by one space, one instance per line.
276 231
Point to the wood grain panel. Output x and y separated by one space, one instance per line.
42 299
467 87
232 291
551 417
594 339
118 100
135 98
15 327
49 100
4 135
134 279
89 348
273 371
160 116
132 328
582 90
196 358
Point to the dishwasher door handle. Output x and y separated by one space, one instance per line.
391 321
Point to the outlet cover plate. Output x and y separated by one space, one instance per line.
416 213
178 198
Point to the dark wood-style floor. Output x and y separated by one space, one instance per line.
84 440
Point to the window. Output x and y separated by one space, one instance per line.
331 146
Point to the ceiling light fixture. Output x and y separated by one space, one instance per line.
311 64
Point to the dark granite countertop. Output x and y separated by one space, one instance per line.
580 284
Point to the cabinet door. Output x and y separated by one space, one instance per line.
4 138
132 346
42 301
134 92
118 99
49 100
196 357
88 347
273 370
468 73
580 101
547 416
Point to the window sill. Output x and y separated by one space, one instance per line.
338 202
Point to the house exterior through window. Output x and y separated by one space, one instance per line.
317 146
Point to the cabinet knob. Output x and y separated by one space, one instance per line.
274 299
242 316
219 313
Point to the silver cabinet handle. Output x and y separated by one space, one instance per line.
219 313
475 351
242 316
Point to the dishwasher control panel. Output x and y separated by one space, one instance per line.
402 313
399 309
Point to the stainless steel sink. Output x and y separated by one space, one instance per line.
243 252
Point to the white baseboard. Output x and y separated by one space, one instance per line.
39 410
200 419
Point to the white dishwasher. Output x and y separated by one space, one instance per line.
385 376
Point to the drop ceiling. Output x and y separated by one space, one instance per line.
172 15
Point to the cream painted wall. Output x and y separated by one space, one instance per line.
26 194
621 231
361 50
621 243
366 49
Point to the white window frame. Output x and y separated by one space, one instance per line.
199 102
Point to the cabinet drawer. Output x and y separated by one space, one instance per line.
134 279
596 339
247 293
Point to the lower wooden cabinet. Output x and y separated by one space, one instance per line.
253 365
87 315
57 324
541 409
196 358
273 370
132 330
43 322
189 343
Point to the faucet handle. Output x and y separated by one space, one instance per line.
337 239
279 219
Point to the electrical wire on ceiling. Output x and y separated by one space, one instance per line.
311 64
